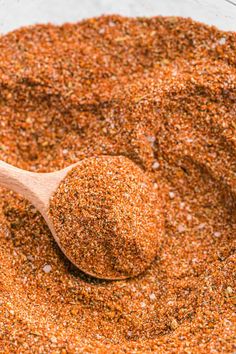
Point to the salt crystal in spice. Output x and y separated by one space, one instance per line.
152 296
53 339
155 165
181 228
47 268
222 41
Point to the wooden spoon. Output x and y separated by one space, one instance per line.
39 188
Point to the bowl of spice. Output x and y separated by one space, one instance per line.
146 106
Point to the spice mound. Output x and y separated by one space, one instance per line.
161 92
108 217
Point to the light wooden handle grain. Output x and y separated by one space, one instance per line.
35 187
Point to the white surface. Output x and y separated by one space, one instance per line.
17 13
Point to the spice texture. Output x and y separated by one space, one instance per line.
160 91
108 217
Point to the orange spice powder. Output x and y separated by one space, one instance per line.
160 91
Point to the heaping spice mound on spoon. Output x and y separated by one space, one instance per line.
108 217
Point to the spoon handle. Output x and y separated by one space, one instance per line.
26 183
35 187
13 178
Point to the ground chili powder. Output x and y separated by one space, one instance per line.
108 217
162 92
